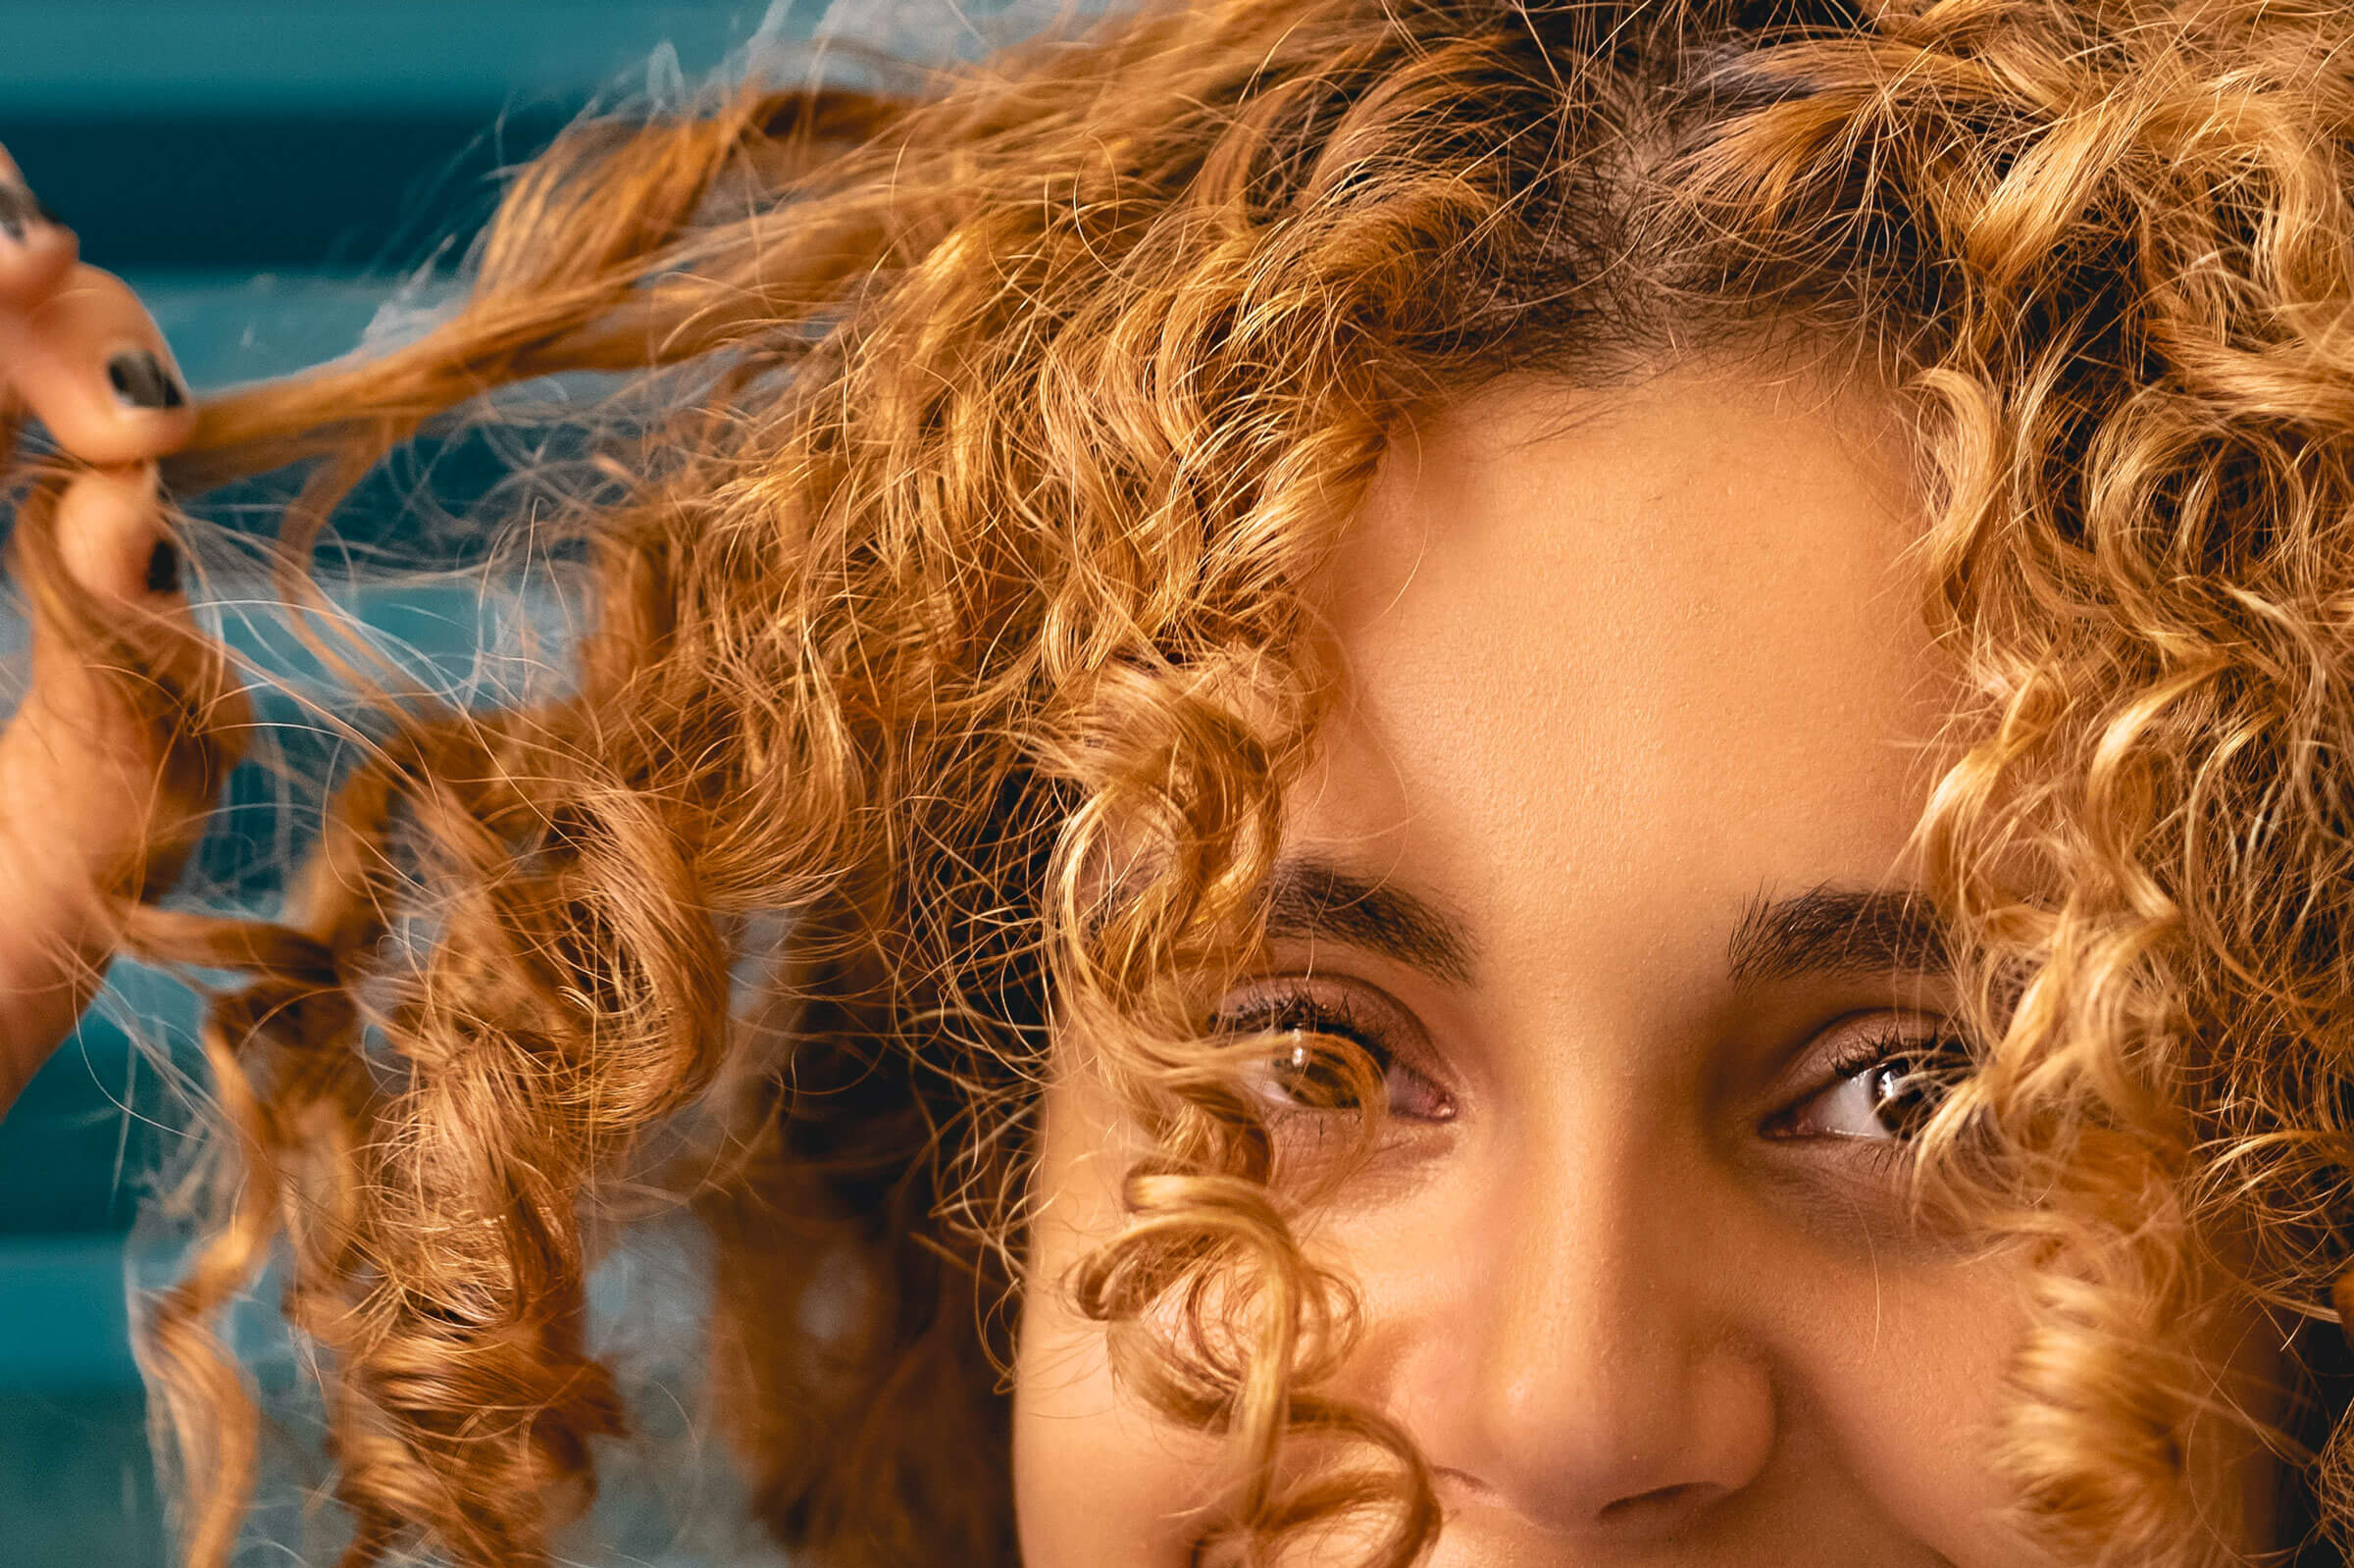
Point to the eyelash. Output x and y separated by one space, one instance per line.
1889 1042
1298 1010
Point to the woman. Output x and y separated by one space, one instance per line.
1549 784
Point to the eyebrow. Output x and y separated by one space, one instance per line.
1834 931
1824 931
1309 897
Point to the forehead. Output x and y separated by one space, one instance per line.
1654 646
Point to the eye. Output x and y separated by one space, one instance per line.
1327 1052
1882 1087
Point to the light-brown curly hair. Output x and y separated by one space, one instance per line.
949 601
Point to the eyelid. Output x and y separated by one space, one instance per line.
1330 991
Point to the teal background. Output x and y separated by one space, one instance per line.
260 169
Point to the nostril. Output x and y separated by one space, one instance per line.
1462 1481
1683 1495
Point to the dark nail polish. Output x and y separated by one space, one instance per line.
163 568
18 211
141 381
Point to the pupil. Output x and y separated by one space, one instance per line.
1905 1099
1310 1076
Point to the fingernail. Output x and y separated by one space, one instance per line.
141 380
20 210
163 568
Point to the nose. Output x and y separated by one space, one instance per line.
1583 1363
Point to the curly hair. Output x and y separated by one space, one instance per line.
950 604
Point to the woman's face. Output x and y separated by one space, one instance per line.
1605 853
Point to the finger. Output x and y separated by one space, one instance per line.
92 364
36 251
83 757
111 538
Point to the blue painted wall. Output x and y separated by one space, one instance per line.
296 135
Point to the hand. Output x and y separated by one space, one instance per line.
89 807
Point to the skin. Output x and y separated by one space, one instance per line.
1621 668
76 773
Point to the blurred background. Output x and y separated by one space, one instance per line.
264 173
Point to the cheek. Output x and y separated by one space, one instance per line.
1899 1376
1912 1389
1097 1479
